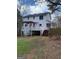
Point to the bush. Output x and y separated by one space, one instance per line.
54 31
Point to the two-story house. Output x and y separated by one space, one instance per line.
36 24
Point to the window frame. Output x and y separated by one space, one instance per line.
41 17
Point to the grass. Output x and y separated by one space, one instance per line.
44 48
23 46
26 44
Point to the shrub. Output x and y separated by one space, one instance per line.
54 31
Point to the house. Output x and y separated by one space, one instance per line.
36 24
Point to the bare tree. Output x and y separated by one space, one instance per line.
19 23
54 5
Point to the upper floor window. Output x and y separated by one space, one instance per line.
33 17
28 18
33 24
41 17
26 24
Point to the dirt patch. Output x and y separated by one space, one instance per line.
31 54
53 49
50 50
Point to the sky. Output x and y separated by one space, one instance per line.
28 2
32 7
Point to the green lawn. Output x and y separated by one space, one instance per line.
23 46
26 44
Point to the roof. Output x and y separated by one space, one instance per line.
29 22
31 15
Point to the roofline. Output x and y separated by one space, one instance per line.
30 15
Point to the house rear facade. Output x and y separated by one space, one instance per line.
36 24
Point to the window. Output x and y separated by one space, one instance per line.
26 25
28 18
41 17
48 24
40 24
33 24
33 17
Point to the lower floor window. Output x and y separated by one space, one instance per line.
40 24
48 24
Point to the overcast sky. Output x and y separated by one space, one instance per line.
32 7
